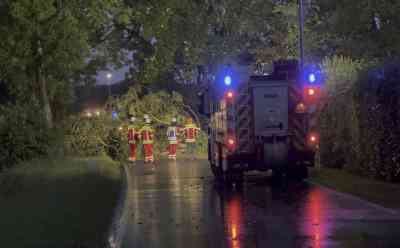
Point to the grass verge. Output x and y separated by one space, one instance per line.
384 194
58 202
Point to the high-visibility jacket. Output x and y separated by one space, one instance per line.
172 133
133 135
191 132
147 134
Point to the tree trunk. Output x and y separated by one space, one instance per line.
41 80
46 104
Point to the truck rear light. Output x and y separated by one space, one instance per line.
231 143
301 108
312 95
229 94
313 139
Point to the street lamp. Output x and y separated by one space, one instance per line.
301 33
109 76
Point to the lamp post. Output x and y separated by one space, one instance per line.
301 33
109 76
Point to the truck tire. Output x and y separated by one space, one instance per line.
216 167
226 177
280 178
298 173
302 172
215 170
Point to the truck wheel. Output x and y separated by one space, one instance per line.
303 172
299 172
280 178
217 168
238 180
232 179
216 171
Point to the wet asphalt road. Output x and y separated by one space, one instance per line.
177 204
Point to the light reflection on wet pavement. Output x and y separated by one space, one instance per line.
176 204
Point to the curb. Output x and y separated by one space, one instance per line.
121 213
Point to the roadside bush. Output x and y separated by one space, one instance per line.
339 119
379 96
360 119
23 134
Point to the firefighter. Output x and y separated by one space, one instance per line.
191 132
133 136
147 135
172 133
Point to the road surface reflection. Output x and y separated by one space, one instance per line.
178 205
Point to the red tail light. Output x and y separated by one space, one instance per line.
231 143
229 95
313 139
312 94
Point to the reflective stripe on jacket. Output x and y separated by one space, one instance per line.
147 135
191 132
132 134
172 133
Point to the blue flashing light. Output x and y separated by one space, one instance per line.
312 78
114 115
228 80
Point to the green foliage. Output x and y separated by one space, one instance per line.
102 135
339 30
342 73
23 134
46 43
340 139
202 143
161 107
89 136
359 120
378 93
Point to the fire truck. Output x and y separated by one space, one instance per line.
261 121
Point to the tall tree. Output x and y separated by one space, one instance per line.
359 29
44 42
177 35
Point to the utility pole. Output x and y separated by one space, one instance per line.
301 33
109 76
